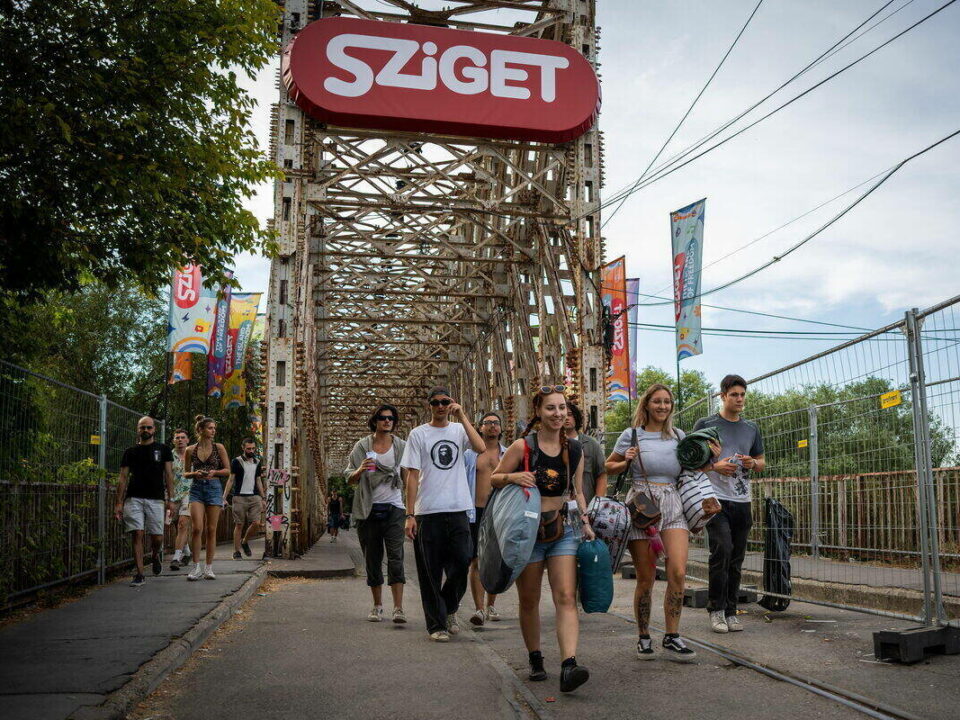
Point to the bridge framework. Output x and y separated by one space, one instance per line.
408 260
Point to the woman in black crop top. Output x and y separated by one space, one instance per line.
552 463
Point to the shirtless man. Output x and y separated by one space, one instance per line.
479 469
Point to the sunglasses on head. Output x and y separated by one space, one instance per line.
548 389
444 402
381 418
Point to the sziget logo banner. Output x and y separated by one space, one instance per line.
391 76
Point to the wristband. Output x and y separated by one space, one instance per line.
410 515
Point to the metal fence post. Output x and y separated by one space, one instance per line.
814 447
163 431
102 495
921 452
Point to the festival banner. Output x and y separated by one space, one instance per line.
686 233
182 367
192 309
633 295
234 390
259 327
217 357
614 296
243 313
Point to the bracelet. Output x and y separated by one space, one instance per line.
410 515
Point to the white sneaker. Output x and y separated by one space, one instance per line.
208 573
718 622
453 627
376 615
478 618
196 573
734 624
492 614
439 636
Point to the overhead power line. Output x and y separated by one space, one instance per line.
660 175
692 105
815 233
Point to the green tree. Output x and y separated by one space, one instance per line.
126 146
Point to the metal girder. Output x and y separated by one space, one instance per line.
409 260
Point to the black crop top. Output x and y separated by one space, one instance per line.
549 470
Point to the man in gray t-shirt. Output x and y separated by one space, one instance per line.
594 471
741 453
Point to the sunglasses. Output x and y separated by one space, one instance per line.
381 418
490 422
146 427
549 389
444 402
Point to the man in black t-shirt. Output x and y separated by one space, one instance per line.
146 480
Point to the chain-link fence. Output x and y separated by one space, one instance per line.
861 447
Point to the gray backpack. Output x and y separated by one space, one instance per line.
508 532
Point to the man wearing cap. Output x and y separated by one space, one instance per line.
439 498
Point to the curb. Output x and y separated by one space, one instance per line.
312 574
154 671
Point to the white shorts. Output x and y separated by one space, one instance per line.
143 514
671 509
185 506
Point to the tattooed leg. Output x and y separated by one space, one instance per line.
642 598
672 607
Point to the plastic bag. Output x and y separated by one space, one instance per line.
776 555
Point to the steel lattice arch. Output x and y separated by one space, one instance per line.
409 260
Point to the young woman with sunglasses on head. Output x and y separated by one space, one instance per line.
553 463
654 470
374 467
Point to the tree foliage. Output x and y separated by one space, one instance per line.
127 146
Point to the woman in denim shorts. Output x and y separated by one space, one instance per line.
654 470
556 470
208 464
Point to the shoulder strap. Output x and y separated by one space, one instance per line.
526 456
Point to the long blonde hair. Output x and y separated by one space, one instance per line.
642 416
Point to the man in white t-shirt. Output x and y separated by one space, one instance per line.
440 498
246 494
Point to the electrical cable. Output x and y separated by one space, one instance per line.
659 176
692 105
825 55
815 233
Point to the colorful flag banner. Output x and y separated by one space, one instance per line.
234 390
192 310
686 234
633 297
216 358
182 367
259 327
243 313
614 296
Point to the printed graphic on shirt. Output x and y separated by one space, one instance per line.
444 454
548 480
156 454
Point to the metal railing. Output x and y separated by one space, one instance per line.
862 448
60 452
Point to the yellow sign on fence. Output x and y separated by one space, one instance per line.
94 439
891 399
802 443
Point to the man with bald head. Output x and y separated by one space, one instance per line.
146 480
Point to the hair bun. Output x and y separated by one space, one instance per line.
197 418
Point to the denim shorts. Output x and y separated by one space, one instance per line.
208 492
567 545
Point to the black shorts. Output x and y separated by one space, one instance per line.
475 532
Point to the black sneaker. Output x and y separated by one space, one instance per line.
678 650
157 567
246 549
645 648
537 672
572 676
137 580
174 565
237 555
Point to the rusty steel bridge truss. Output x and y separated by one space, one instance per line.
412 260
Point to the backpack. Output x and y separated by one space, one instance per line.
507 534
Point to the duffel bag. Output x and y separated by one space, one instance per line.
508 532
595 576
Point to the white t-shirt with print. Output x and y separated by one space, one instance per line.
437 452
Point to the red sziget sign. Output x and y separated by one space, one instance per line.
393 76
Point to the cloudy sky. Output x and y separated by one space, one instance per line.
896 250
